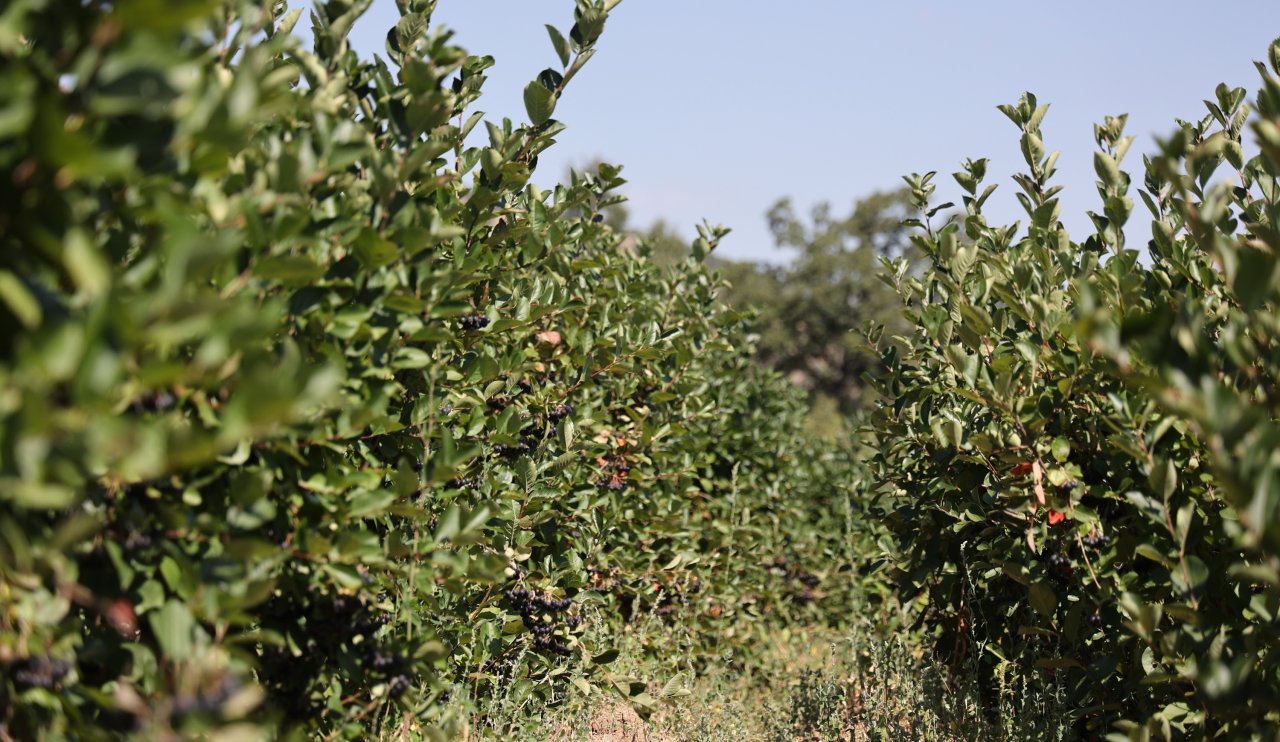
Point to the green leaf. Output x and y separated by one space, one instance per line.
539 102
20 301
373 250
173 626
37 495
372 502
1043 599
674 688
1191 574
560 43
152 594
1163 478
449 525
1152 553
85 263
1107 170
291 270
345 576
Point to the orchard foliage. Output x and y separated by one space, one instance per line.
317 414
1079 445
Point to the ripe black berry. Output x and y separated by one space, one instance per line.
137 541
540 613
1096 540
511 452
474 322
560 411
156 402
397 686
40 672
462 483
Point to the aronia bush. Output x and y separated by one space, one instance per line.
1077 458
318 415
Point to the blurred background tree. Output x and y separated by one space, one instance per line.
811 310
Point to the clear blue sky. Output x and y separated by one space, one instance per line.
717 108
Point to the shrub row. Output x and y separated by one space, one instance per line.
1078 459
317 414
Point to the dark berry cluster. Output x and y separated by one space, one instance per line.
335 621
474 322
560 411
500 666
1059 564
801 584
207 700
390 665
463 483
397 686
368 626
39 672
512 452
343 630
498 402
537 432
542 615
384 662
530 437
602 580
1096 540
137 541
1066 487
614 472
156 402
1094 620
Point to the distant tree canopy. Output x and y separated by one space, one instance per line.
811 310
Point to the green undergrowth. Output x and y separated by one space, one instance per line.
866 681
